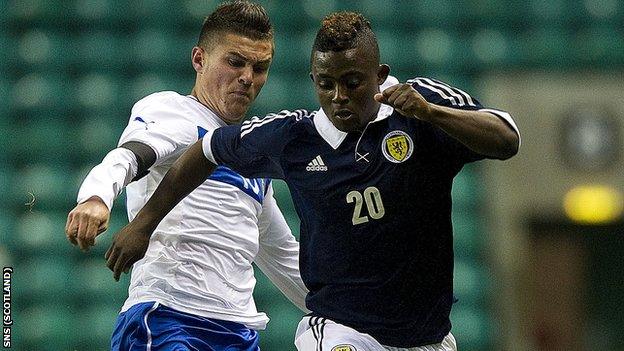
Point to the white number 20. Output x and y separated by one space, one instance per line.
375 207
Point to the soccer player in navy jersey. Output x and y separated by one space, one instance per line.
370 174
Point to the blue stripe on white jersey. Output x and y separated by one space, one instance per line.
254 187
456 96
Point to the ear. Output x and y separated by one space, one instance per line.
312 77
382 73
197 59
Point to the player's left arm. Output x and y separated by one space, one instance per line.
278 255
485 131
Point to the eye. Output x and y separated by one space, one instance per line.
325 84
353 83
236 62
261 68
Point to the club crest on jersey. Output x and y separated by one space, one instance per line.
397 146
344 347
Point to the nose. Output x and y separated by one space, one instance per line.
339 95
246 77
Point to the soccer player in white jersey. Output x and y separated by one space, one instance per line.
370 174
193 288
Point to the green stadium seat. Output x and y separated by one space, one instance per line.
4 96
40 92
161 50
490 47
145 84
104 13
35 11
45 278
98 323
7 224
98 91
7 53
468 233
280 332
94 281
603 10
48 184
596 46
101 51
43 234
49 327
471 282
547 47
472 327
44 50
465 190
96 137
197 10
430 48
429 12
292 52
49 141
389 47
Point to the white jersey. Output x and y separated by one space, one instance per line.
199 258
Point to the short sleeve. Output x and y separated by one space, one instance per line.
255 148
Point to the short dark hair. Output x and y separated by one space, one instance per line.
238 17
345 30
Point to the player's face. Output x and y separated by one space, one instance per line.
231 74
345 84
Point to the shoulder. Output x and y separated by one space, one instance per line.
164 101
441 93
279 123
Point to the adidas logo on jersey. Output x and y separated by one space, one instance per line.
316 165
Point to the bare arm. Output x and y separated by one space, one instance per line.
186 174
482 132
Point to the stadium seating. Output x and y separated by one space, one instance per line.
71 70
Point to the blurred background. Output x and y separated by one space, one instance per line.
538 239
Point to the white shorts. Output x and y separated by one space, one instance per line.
320 334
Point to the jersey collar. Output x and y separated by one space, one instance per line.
210 114
334 136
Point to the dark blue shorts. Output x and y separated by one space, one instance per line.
150 326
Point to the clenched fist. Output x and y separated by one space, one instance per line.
406 100
86 221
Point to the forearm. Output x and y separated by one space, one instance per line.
481 131
281 266
186 174
108 179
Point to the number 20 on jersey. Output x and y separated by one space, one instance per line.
372 198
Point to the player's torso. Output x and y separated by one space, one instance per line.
375 222
200 255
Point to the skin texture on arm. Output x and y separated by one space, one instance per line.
480 131
186 174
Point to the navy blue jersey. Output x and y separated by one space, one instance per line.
375 210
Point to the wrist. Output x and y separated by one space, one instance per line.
432 113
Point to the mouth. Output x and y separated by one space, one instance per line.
344 114
241 94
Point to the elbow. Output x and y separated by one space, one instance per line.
509 146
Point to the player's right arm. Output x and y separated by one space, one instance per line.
252 149
156 130
100 188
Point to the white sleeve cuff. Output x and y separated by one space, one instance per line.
206 146
507 118
108 179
